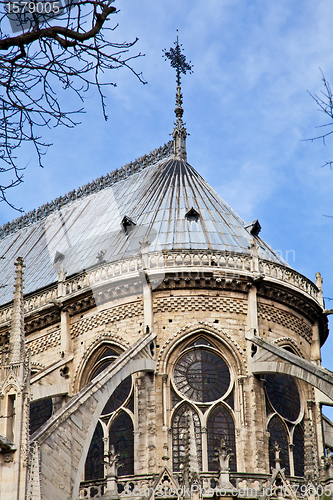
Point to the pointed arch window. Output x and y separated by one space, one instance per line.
94 467
278 435
220 424
186 427
121 432
122 438
298 441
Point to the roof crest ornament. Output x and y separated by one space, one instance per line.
178 61
103 182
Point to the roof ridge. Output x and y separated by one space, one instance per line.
92 187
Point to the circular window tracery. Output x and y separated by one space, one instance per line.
201 375
283 394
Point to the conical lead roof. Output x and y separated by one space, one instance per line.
168 202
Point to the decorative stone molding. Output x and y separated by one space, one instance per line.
199 303
285 319
200 326
48 341
37 366
42 321
10 382
105 317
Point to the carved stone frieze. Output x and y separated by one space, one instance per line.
42 321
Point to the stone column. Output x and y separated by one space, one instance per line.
65 333
315 345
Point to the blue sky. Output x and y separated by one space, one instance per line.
246 108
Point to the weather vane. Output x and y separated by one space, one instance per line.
178 60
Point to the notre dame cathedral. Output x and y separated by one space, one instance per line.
156 347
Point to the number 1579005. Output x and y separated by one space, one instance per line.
33 7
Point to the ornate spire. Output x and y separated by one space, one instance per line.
178 61
17 340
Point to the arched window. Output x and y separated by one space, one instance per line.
220 425
201 394
94 467
185 427
121 436
298 451
40 412
121 429
278 435
98 361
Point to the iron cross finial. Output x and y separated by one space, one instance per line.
178 60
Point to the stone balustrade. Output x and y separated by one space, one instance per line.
224 265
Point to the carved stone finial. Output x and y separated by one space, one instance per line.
277 461
319 285
112 463
190 466
17 339
112 466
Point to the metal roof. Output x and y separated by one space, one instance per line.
155 200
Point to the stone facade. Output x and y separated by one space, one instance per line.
219 313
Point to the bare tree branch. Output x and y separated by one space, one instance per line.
325 105
56 53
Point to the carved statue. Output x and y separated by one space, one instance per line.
112 464
223 456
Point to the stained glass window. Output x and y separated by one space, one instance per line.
220 425
122 437
283 395
185 426
94 467
202 375
298 451
278 434
40 412
119 396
